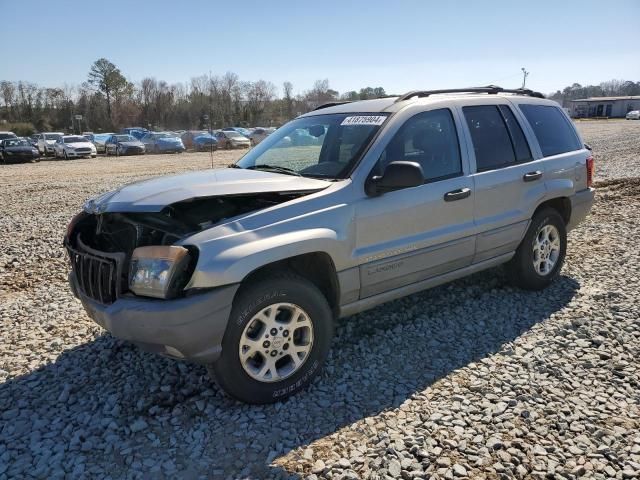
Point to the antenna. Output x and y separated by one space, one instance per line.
525 74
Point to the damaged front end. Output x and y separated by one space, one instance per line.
122 253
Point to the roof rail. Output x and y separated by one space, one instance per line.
330 104
490 89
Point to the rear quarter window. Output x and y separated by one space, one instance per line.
554 132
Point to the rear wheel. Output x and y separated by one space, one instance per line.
66 157
540 256
277 339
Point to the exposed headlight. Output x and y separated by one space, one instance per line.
34 151
154 270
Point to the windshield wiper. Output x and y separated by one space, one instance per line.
275 168
233 165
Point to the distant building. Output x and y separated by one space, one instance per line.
603 106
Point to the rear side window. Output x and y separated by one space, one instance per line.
554 132
491 141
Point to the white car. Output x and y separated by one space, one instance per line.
73 146
46 141
633 115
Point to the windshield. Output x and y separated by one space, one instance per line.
125 138
17 142
74 139
52 136
325 146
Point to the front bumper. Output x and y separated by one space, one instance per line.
581 203
171 148
189 328
80 154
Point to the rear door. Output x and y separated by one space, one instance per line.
506 178
409 235
560 145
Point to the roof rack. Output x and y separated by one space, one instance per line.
490 89
330 104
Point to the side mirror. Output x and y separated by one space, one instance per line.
396 176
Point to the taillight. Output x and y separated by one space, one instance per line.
590 167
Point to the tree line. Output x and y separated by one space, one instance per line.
610 88
107 101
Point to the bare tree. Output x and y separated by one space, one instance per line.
287 90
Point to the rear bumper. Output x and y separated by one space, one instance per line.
581 203
189 328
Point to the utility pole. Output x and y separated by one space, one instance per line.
525 74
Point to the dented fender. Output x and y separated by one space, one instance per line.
234 263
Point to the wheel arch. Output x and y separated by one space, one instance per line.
317 267
560 204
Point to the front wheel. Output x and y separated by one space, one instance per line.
277 339
540 256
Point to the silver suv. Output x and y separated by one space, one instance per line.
244 269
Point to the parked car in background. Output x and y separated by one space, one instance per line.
232 139
4 135
205 142
99 141
162 142
123 144
242 131
89 136
188 136
46 141
18 150
259 134
633 115
137 132
73 146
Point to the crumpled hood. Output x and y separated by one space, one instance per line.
169 140
155 194
132 144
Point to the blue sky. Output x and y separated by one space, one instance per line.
399 45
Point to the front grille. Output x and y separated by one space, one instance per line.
98 274
83 150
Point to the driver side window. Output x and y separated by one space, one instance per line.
429 139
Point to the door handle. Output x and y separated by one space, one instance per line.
532 176
457 194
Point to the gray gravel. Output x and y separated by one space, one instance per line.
469 380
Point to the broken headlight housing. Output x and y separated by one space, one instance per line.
158 271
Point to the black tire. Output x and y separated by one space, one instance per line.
156 150
66 157
520 269
228 371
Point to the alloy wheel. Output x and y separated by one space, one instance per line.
546 249
276 342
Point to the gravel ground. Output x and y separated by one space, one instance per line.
472 379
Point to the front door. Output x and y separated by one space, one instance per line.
410 235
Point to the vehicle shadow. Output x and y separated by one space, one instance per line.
106 407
